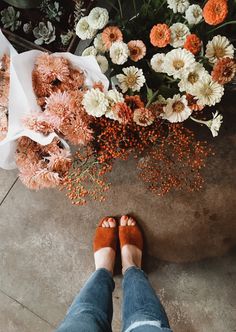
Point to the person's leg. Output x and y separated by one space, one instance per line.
92 308
142 309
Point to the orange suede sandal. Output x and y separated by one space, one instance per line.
105 237
131 235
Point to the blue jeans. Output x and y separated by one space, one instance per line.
92 309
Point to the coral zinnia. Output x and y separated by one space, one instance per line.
160 35
224 70
193 43
110 35
123 112
134 101
137 50
192 103
215 11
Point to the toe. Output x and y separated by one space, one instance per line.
112 222
132 221
123 220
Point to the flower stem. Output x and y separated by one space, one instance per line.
135 7
221 26
120 8
196 120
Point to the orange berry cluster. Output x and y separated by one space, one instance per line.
86 178
175 163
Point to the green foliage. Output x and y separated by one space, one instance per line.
10 18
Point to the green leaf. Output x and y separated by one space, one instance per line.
149 93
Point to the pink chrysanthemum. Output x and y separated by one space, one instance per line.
41 166
58 104
38 124
51 67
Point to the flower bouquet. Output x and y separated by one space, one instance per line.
168 63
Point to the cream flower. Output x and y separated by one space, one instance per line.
98 44
103 63
95 102
84 30
132 78
91 50
113 97
177 109
193 14
178 6
208 92
214 124
191 77
179 32
98 18
143 117
119 53
177 62
219 47
157 62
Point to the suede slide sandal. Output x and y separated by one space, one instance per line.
131 235
105 236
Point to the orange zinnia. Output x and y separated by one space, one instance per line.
110 35
160 35
224 70
137 50
134 101
192 103
193 43
215 11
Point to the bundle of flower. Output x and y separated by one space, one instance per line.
4 93
42 166
174 72
59 89
178 58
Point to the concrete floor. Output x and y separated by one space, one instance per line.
46 256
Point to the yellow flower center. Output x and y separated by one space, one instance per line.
178 106
193 77
131 80
219 52
178 64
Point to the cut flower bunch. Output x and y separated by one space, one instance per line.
168 63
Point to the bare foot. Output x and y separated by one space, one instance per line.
130 254
105 257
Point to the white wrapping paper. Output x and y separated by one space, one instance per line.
23 102
7 149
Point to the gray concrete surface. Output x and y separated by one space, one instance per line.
46 256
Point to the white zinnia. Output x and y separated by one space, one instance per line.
157 62
214 124
191 77
95 102
193 14
119 53
177 62
179 32
113 97
98 18
91 50
219 47
132 78
178 6
208 92
102 62
84 30
98 44
177 109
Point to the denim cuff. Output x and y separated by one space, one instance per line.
141 322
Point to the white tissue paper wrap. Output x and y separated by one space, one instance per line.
7 149
23 102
